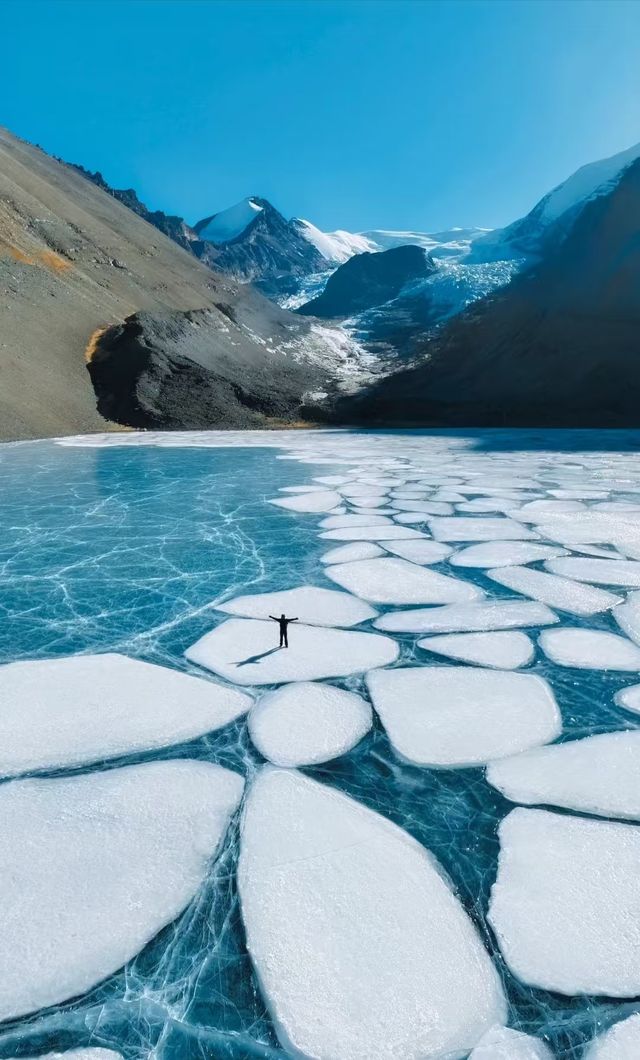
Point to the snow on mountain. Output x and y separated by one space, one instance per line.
453 243
228 224
335 246
552 217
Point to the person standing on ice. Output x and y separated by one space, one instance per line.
283 623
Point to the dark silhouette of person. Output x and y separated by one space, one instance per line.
283 622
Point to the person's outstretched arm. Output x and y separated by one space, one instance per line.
293 619
274 618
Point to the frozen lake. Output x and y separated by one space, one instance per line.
517 552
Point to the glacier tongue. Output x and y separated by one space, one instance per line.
360 946
93 866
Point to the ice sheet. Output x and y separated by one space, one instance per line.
590 649
471 617
308 722
504 650
308 603
502 1043
557 592
397 581
620 1042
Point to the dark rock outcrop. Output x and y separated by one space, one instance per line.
559 346
369 280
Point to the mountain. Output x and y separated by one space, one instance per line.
369 279
552 217
558 346
254 243
87 283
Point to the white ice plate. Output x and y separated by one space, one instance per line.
565 906
622 572
454 716
351 553
620 1042
557 592
360 945
590 649
86 708
397 581
502 1043
472 617
308 722
502 650
461 528
323 501
504 554
308 603
246 652
598 775
93 866
373 533
423 552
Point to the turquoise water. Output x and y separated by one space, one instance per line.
127 549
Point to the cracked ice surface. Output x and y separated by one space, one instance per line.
92 867
360 945
129 543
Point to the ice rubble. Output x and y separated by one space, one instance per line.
307 722
360 946
557 592
397 581
502 1043
85 708
316 607
421 552
94 866
448 716
246 652
625 572
599 775
468 618
590 649
372 533
322 501
504 650
351 553
566 902
504 554
620 1042
461 528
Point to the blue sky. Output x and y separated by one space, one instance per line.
357 114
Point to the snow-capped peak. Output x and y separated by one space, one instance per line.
229 224
596 178
334 246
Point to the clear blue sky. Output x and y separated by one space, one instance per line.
354 113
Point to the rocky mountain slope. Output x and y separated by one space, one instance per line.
368 280
560 345
76 264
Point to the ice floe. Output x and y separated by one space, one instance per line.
246 652
627 615
502 650
86 708
447 716
309 604
334 522
428 507
565 905
504 554
477 616
422 552
557 592
372 533
397 581
502 1043
590 649
629 698
93 866
360 945
599 775
621 572
351 553
308 722
620 1042
461 528
323 501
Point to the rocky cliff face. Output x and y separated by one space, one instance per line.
560 345
369 280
